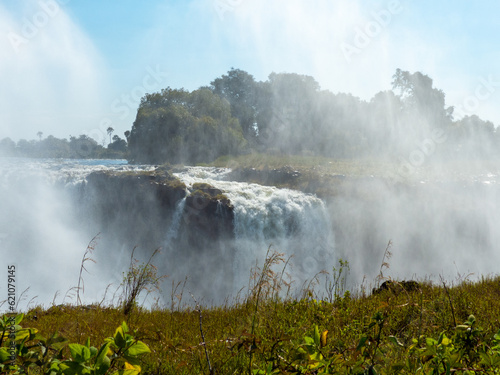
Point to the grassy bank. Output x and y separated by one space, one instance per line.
427 329
385 168
351 167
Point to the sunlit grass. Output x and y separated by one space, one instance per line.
321 164
265 330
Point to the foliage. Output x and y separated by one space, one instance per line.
288 114
271 331
81 147
176 126
139 278
26 351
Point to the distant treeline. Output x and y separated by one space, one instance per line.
287 114
290 114
82 147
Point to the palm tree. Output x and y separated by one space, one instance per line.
110 131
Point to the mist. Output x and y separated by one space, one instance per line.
53 78
397 124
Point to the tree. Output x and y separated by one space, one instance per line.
84 147
118 144
110 131
292 125
7 147
241 90
421 100
473 137
178 126
39 134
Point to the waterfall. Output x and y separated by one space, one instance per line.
292 222
49 214
176 222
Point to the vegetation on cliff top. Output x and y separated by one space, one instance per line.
288 114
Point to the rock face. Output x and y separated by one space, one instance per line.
209 215
139 207
397 287
205 243
131 206
154 209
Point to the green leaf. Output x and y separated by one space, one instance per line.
138 348
102 355
119 338
362 342
22 333
316 335
74 368
103 367
132 360
429 341
4 355
79 353
129 370
309 341
125 327
19 318
93 351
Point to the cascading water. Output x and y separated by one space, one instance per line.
292 222
176 221
51 209
49 216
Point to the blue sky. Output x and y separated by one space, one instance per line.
70 67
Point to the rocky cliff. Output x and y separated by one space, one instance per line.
149 210
140 207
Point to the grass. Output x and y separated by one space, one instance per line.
269 332
388 168
356 167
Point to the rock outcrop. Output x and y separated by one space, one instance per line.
139 208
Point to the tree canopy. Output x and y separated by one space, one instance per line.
178 126
288 113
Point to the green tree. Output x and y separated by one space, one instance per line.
421 100
118 144
241 90
178 126
84 147
293 123
52 147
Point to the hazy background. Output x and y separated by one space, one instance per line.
70 67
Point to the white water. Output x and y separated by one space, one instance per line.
176 221
290 221
450 227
